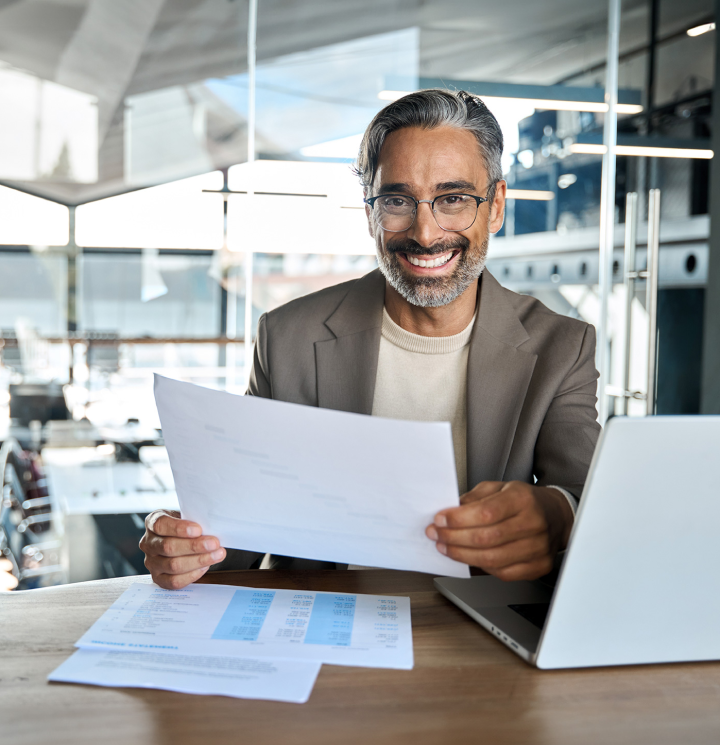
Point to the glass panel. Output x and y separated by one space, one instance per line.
175 215
323 202
33 289
279 278
52 134
329 93
33 311
153 295
26 220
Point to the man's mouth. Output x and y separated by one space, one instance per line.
429 261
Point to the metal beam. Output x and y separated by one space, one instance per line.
516 90
710 384
607 207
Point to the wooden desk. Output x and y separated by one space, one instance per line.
465 688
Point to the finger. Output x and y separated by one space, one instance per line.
178 581
8 581
168 525
525 571
162 546
524 525
488 511
482 490
184 564
494 559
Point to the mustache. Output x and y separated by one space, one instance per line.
413 248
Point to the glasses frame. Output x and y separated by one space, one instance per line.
431 202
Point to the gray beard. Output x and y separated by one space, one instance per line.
433 292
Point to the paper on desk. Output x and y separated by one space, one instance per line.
301 481
276 680
337 628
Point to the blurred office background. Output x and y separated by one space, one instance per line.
129 244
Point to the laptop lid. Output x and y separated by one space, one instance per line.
641 579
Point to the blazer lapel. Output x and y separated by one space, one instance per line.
347 365
497 381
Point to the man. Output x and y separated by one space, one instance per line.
431 335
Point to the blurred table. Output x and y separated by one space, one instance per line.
86 481
77 434
466 687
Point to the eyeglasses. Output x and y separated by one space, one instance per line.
453 212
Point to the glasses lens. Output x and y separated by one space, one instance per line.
395 213
455 212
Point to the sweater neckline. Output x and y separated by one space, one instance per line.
424 344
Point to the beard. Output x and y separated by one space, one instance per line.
432 292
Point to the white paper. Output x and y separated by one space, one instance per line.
337 628
276 680
293 480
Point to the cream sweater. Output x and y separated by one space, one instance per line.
424 378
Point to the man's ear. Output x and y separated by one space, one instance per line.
497 208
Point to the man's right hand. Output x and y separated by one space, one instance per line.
176 551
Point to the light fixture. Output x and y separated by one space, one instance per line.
531 194
643 152
538 103
703 29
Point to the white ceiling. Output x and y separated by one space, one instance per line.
113 49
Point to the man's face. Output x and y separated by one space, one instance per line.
425 164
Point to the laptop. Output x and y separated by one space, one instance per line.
640 582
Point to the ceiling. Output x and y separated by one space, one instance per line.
118 50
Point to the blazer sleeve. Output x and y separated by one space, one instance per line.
260 374
570 430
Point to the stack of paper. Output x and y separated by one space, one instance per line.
238 641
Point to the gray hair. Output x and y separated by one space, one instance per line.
430 109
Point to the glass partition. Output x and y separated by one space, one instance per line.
142 156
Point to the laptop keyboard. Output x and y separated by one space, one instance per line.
536 613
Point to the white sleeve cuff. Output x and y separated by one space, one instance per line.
571 500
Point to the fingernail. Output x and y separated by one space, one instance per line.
432 533
441 521
442 548
194 532
210 544
217 555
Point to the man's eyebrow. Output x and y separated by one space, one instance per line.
402 187
460 185
398 186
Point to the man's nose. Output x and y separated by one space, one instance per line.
425 231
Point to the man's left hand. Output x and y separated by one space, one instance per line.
8 581
511 529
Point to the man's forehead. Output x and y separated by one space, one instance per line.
439 159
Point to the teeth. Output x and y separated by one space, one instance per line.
439 261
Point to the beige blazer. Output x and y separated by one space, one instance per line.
531 378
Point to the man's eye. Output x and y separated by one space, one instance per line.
395 202
454 199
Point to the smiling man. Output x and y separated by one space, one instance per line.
432 336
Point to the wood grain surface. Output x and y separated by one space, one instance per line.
466 687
